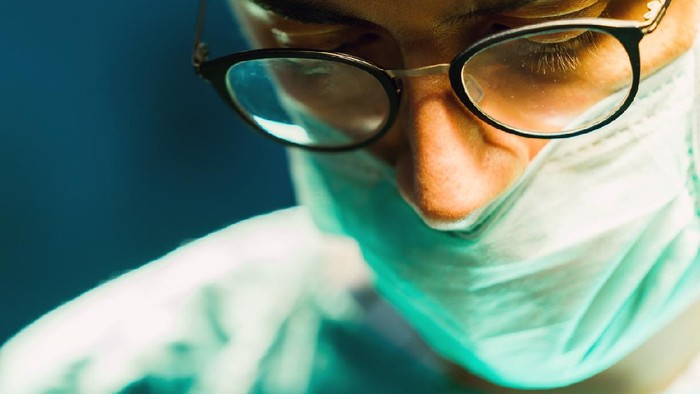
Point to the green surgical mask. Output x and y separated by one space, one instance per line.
550 284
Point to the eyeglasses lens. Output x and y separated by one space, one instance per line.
550 83
318 103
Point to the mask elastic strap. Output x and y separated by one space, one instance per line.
695 131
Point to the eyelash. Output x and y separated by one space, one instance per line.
560 56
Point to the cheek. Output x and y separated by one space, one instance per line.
534 146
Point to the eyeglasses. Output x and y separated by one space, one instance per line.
548 80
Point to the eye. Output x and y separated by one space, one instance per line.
558 52
359 44
498 28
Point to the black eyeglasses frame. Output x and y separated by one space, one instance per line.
628 33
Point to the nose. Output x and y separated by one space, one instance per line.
453 163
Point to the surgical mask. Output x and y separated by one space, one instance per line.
586 257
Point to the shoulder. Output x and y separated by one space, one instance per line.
167 317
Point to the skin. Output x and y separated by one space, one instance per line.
449 163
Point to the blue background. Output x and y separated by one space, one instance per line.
112 151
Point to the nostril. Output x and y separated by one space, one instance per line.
499 27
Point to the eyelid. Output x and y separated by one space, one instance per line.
286 37
326 30
320 14
546 11
557 38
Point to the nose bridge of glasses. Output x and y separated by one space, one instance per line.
420 71
474 90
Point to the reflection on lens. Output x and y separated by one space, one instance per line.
550 83
310 102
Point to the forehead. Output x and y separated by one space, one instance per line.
371 9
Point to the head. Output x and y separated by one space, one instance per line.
539 272
448 162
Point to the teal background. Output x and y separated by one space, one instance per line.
112 152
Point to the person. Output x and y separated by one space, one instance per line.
498 197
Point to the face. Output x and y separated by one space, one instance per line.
448 162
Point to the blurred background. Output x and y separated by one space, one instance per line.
112 151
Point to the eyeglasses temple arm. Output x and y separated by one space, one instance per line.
657 10
201 49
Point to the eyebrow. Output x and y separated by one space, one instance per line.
510 5
309 11
316 12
